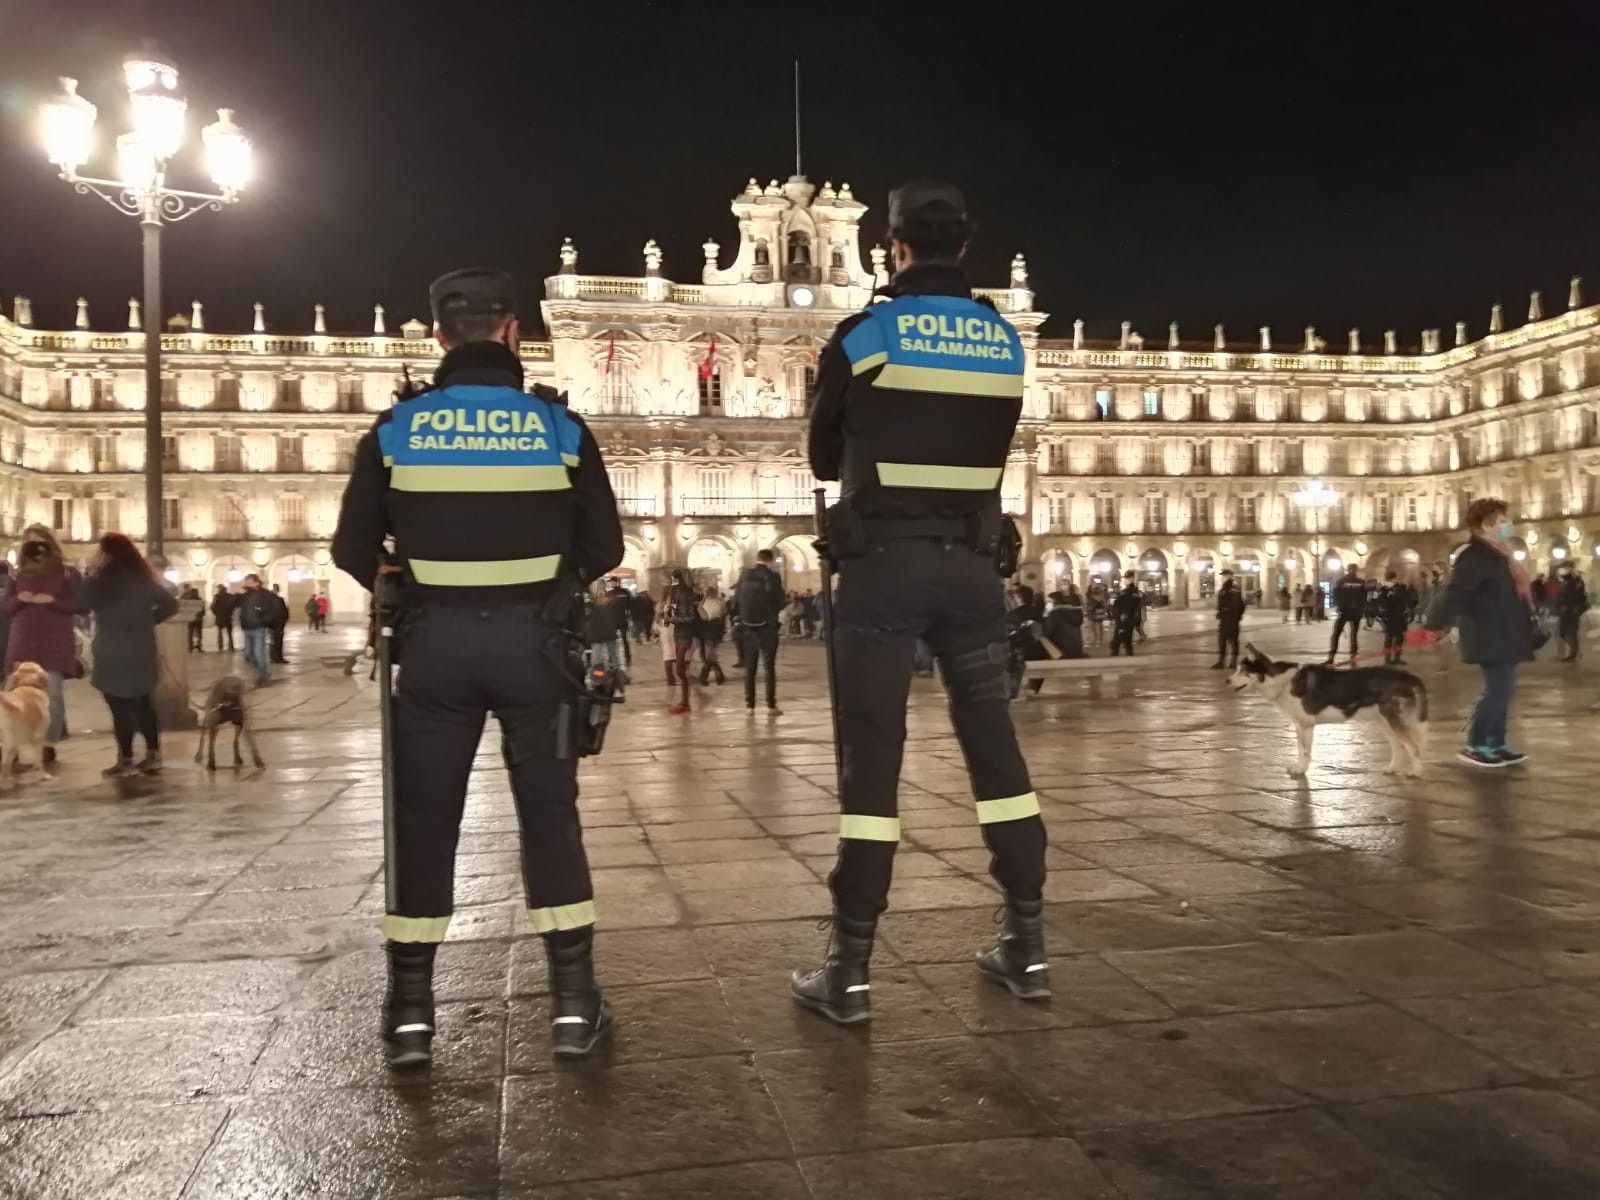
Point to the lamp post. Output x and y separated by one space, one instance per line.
67 123
1316 496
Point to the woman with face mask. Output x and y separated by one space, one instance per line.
1490 598
40 602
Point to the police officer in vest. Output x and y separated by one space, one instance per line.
491 496
915 405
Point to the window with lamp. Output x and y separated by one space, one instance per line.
710 384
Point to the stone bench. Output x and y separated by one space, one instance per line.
1093 669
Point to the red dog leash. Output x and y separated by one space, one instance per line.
1415 639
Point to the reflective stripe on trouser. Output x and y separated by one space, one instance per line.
952 598
458 664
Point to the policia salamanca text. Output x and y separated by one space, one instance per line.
506 430
964 337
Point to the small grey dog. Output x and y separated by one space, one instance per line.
225 705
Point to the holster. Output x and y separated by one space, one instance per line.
843 531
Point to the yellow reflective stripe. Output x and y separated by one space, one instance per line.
1008 808
869 829
572 460
907 378
456 477
490 573
870 361
566 916
415 929
918 475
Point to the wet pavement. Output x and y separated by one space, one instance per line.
1356 986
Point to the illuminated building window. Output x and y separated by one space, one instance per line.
1058 514
1246 522
1102 401
61 514
624 482
105 515
1105 514
291 515
1380 510
172 515
1411 511
713 483
1152 403
1155 514
710 391
1200 509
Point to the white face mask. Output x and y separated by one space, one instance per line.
1506 530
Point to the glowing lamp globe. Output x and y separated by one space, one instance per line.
66 123
158 107
228 153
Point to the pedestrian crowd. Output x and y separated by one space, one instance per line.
691 622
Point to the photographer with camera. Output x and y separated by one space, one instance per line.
500 510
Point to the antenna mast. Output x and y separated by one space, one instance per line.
797 169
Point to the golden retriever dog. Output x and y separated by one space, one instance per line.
24 719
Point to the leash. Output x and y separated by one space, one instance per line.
1414 639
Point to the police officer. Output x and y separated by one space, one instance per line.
492 496
915 405
1395 604
1350 599
1230 615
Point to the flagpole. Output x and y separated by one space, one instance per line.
798 172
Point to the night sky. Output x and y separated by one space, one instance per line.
1334 164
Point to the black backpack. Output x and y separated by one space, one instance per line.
755 597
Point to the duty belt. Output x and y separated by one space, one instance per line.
897 529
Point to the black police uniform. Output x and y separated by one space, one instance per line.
1395 603
1230 615
1350 599
491 495
915 406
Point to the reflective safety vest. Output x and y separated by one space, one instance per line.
935 402
479 491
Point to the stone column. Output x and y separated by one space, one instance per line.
171 697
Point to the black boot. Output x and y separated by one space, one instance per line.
839 989
1217 666
1017 958
408 1011
579 1014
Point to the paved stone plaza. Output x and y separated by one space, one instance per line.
1357 987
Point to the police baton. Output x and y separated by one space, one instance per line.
383 611
826 563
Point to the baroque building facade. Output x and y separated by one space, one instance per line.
1174 459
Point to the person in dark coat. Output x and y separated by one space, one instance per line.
1350 598
1395 602
257 610
1127 610
128 602
602 627
40 603
1230 615
278 623
681 608
1571 603
713 629
1063 624
223 604
1489 599
617 596
642 615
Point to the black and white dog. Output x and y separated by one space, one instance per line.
1312 695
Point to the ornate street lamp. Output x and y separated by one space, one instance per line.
159 112
1316 496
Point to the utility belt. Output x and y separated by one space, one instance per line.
989 532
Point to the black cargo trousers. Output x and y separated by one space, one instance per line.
950 596
458 664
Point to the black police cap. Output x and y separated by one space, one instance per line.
481 290
925 199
